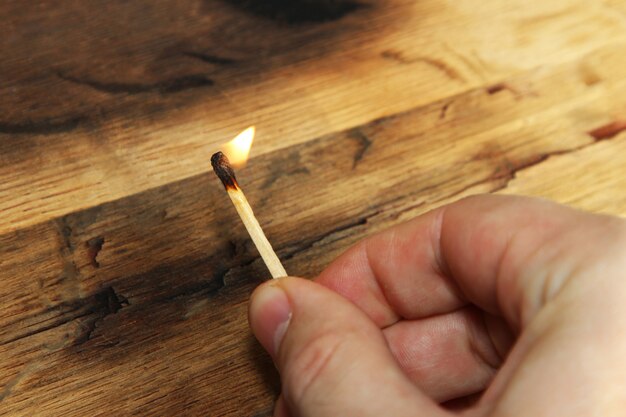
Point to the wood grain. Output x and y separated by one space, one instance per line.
125 270
124 91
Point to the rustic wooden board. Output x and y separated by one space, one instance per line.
95 112
125 272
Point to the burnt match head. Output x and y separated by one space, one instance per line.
224 171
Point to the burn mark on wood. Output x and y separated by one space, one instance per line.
507 170
183 279
240 268
235 248
203 288
291 251
290 165
241 39
43 127
102 304
159 286
64 317
108 301
65 231
210 58
84 218
94 246
70 272
608 131
88 310
169 86
502 175
364 143
298 11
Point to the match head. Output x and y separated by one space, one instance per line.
224 171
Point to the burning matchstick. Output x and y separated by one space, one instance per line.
225 173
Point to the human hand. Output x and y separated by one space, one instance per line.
519 299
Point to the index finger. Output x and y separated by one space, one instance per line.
480 250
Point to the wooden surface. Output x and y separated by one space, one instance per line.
124 270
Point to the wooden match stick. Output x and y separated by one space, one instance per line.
225 172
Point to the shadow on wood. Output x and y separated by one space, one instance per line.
81 64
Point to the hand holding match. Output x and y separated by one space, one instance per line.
225 173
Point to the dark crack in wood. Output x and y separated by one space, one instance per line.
444 110
102 304
504 177
298 11
169 86
43 127
503 86
65 232
71 273
94 246
89 309
93 309
438 64
293 250
210 58
501 178
364 143
608 131
496 88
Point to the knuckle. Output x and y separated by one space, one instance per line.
313 366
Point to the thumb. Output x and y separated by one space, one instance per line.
333 360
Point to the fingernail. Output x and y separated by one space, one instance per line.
270 313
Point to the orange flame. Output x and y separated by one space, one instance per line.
238 149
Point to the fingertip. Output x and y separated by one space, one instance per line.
269 315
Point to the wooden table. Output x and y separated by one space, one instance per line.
124 270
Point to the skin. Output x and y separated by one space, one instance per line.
490 306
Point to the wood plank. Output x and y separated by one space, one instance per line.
139 304
120 99
599 184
